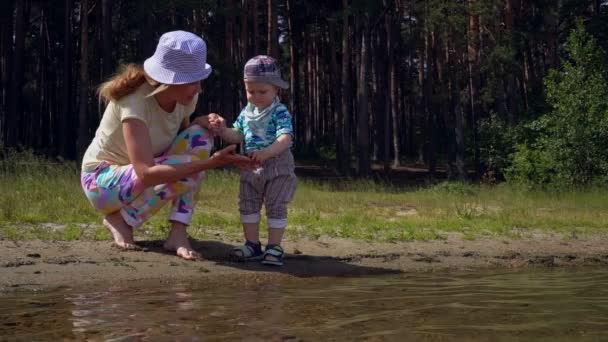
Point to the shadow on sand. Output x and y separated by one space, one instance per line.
296 265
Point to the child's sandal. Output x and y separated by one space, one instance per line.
273 255
248 252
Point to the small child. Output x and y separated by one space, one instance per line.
265 126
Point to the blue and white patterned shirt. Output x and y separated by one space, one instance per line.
279 124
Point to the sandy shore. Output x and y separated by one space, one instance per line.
33 265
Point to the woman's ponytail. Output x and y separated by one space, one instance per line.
122 84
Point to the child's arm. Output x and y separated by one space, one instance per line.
279 146
231 135
218 127
283 141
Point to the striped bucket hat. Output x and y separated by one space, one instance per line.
264 69
180 58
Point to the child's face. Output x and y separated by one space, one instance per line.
261 95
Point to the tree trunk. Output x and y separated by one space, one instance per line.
394 113
245 49
422 102
15 112
317 126
228 60
197 24
446 86
473 71
346 96
429 108
106 36
307 93
95 61
38 136
317 74
457 111
363 140
6 59
66 84
525 82
83 129
294 88
386 85
335 94
245 54
461 169
552 30
273 43
147 39
510 96
509 15
393 26
256 27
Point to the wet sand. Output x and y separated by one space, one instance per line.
41 265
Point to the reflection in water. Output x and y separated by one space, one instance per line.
530 305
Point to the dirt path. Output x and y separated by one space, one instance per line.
30 265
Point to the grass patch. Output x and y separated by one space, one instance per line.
38 192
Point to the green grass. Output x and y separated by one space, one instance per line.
37 193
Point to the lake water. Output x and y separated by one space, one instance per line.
530 305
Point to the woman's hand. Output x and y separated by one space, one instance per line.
228 156
242 162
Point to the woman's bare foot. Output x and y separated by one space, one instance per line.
178 243
121 231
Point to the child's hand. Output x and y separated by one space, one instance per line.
202 121
213 123
217 124
259 157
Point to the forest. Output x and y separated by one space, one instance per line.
512 90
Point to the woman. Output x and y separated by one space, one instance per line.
146 152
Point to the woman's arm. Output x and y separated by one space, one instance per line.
139 149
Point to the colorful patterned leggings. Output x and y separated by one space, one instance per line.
111 188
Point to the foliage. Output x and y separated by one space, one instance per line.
468 73
497 141
571 147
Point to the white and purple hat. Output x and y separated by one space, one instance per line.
264 69
180 58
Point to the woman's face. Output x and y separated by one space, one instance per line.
185 93
261 95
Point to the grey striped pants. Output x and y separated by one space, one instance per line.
274 185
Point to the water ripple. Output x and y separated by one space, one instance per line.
531 305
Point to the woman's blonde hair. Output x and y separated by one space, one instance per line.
126 81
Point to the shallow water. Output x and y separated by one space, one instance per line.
531 305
